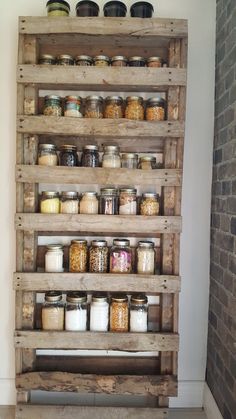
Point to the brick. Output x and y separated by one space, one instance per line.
234 187
232 96
229 79
227 171
226 187
228 281
217 156
225 241
229 116
224 259
213 319
231 205
233 226
232 264
225 222
219 364
216 188
233 365
216 272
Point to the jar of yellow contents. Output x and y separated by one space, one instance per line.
57 8
49 203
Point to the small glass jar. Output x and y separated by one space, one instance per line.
90 156
128 201
149 204
83 60
47 155
52 106
119 61
68 155
69 203
138 313
141 9
119 314
94 107
145 258
108 201
129 161
54 258
121 257
147 162
65 59
134 108
76 312
114 9
73 106
56 8
53 311
155 109
137 62
113 107
78 256
49 202
47 59
86 8
111 157
98 256
99 313
89 203
154 62
101 61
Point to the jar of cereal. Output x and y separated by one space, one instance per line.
119 313
134 108
121 257
149 204
155 109
78 256
69 203
47 155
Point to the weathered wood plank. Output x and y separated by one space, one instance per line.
103 176
131 342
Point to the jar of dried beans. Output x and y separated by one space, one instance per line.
49 202
121 256
119 314
128 201
108 201
134 108
155 109
73 106
53 311
113 107
138 313
111 157
68 155
47 155
145 258
98 256
78 256
149 204
52 106
94 107
89 203
69 203
76 312
90 156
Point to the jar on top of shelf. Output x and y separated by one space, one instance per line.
119 313
57 8
69 202
134 108
154 62
78 256
121 257
113 107
90 156
53 311
47 155
111 157
68 155
119 61
147 162
89 203
114 9
155 109
137 61
99 313
87 8
47 59
128 201
83 60
98 256
129 161
101 61
49 202
149 204
52 106
76 311
73 106
142 9
145 258
94 107
54 258
138 313
65 59
108 201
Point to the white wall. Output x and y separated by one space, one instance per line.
196 188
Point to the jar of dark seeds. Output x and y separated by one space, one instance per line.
98 257
68 156
109 201
90 156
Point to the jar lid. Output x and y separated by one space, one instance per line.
148 158
79 241
65 57
53 296
94 97
68 147
119 298
115 3
53 97
119 58
137 58
76 297
63 2
69 194
68 98
121 242
147 244
83 57
47 147
111 148
90 147
109 191
150 59
99 298
87 3
54 247
139 299
50 194
99 243
128 190
150 195
47 57
156 101
89 194
134 98
111 98
127 156
102 57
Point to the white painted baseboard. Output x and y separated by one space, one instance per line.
209 404
190 395
7 392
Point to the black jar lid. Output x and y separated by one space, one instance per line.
115 3
87 3
142 3
63 2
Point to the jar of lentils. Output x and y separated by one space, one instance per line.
147 162
73 106
128 201
145 258
101 61
134 108
137 62
54 258
154 62
76 312
47 155
119 314
138 313
53 311
111 157
49 202
52 106
83 60
68 155
94 107
119 61
121 257
69 203
89 203
47 59
78 256
90 156
65 59
149 204
113 107
108 201
129 161
98 256
155 109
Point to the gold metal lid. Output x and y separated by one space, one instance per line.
156 101
109 191
150 195
134 98
79 241
89 194
114 98
83 58
47 57
119 58
71 97
128 190
150 59
53 296
52 97
94 97
102 57
47 147
111 148
54 247
69 194
65 57
119 298
50 194
148 158
90 147
137 58
99 298
68 147
76 297
139 299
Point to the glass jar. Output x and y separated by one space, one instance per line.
90 156
78 256
145 258
128 201
147 162
53 311
119 314
111 157
49 202
138 313
129 161
101 61
73 106
52 106
137 62
98 256
83 60
149 204
69 203
94 107
99 313
155 109
121 257
113 107
119 61
109 201
47 59
86 8
76 312
54 258
134 108
68 155
89 203
47 155
57 8
141 9
154 62
114 9
65 59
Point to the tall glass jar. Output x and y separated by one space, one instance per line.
78 256
121 257
134 108
73 106
49 202
146 258
109 201
98 257
53 311
149 204
69 202
90 156
47 155
47 59
119 314
101 61
155 109
147 162
89 203
129 161
68 155
65 59
76 312
94 107
113 107
111 157
99 313
54 258
128 201
52 106
138 313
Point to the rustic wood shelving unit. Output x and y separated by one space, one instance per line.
153 377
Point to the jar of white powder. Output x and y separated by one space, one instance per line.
76 312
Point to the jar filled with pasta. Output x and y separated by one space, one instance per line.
134 108
98 256
113 107
128 201
108 201
78 256
94 107
119 313
149 204
69 202
155 109
52 106
138 313
47 155
49 202
146 258
147 162
111 157
53 311
121 257
89 203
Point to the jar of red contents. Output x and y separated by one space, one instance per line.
121 257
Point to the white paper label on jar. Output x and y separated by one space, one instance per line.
76 320
138 321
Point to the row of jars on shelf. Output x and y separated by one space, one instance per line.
116 313
112 107
111 158
99 258
111 201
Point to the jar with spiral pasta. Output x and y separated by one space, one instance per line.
113 107
149 204
128 201
94 107
69 202
121 257
108 201
111 157
52 106
119 313
53 311
47 155
134 108
145 258
49 202
98 256
138 313
155 109
78 256
89 203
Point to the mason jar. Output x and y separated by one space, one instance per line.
90 156
47 155
73 106
52 106
98 256
101 61
145 258
138 313
69 202
154 62
149 204
119 61
83 60
147 162
53 311
76 310
113 107
89 203
134 108
111 157
137 61
108 201
121 257
78 256
129 161
54 258
47 59
155 109
57 8
65 59
68 155
49 202
128 201
99 313
119 313
94 107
